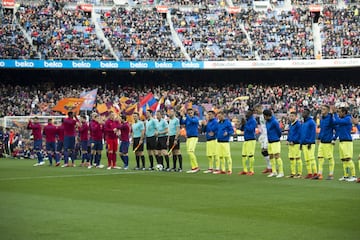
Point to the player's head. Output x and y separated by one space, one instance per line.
211 115
293 116
158 115
258 108
36 120
70 114
342 111
221 115
50 120
112 116
267 114
306 113
149 113
83 118
325 109
249 113
136 116
190 112
172 113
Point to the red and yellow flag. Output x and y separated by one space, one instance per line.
66 105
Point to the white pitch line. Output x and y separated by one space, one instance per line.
67 176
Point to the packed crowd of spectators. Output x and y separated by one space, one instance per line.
139 34
13 43
212 34
280 35
39 99
341 32
205 27
60 33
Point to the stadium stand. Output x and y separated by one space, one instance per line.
204 30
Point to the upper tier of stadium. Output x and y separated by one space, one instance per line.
180 30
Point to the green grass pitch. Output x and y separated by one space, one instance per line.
79 203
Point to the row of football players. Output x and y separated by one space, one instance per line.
161 139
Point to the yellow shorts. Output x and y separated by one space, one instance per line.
309 154
294 151
326 150
346 150
274 147
223 149
248 148
191 144
211 148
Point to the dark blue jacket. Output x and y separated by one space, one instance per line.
249 128
326 134
294 132
191 125
224 126
211 126
308 131
343 127
273 130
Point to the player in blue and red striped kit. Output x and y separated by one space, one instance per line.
83 128
69 139
50 132
36 132
96 135
124 128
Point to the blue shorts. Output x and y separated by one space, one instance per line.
84 145
124 147
59 146
37 144
50 146
69 142
96 145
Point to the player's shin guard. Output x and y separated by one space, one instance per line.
217 163
293 167
211 162
222 164
66 157
180 161
151 159
251 163
313 166
308 166
167 161
352 168
321 164
57 157
174 157
160 159
137 161
126 161
83 157
299 166
331 166
273 165
280 165
244 160
229 164
345 168
143 161
193 160
50 158
268 162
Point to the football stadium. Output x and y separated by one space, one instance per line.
179 119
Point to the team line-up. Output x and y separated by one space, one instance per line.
162 140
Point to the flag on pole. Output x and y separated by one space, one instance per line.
66 105
149 100
89 99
